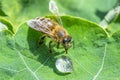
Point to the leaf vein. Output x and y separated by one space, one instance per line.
102 64
36 77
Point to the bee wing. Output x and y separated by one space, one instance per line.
41 24
54 9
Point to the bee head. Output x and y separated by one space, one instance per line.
66 42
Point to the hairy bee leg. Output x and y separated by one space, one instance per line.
50 47
41 41
58 44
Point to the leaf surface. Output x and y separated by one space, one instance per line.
95 55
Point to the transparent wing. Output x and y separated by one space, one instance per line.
54 9
41 24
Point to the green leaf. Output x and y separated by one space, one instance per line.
92 55
94 10
114 26
95 54
1 11
111 64
7 24
19 11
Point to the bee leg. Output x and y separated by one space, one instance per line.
41 41
66 50
73 44
58 45
50 47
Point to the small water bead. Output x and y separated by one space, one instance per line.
64 64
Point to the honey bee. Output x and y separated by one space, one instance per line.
53 30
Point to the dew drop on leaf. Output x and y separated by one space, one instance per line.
64 64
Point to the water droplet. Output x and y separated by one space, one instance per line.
64 64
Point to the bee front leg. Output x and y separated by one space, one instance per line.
66 50
41 41
50 47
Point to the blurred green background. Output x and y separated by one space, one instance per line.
20 10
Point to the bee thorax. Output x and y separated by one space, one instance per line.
61 33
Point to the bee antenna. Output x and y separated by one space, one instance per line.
73 42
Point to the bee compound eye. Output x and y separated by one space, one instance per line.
68 39
64 40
